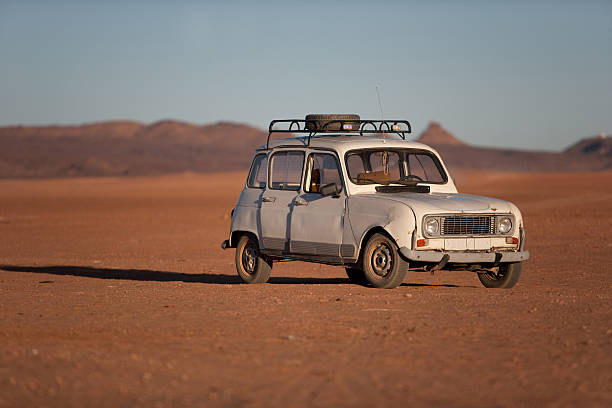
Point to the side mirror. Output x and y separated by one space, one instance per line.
331 189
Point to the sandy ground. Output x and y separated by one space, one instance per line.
115 292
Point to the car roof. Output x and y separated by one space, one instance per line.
345 142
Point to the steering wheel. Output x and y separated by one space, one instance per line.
412 176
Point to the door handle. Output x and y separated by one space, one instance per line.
268 199
300 201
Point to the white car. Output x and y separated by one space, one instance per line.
355 193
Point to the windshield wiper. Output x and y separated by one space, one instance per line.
404 182
410 180
373 181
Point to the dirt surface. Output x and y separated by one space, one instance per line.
115 292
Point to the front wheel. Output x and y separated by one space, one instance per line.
250 265
382 265
506 277
356 275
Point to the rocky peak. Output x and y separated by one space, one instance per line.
435 134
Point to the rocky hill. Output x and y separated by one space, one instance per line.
120 148
596 148
593 153
435 134
126 148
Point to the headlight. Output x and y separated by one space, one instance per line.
432 226
505 225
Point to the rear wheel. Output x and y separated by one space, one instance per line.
382 265
250 265
505 277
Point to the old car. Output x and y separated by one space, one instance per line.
355 193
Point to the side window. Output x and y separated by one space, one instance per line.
259 172
286 169
323 170
424 167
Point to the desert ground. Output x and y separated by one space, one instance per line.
115 292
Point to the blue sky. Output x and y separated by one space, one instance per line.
523 74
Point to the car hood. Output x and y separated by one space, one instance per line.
448 202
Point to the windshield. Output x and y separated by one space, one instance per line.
387 166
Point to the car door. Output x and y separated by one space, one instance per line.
317 221
285 178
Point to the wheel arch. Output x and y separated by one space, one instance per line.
368 234
235 236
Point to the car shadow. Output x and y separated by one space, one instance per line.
147 275
436 285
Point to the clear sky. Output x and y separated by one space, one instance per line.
523 74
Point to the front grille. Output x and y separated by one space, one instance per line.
468 225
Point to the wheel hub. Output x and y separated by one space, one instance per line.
382 260
249 258
496 274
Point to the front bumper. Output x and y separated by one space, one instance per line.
463 257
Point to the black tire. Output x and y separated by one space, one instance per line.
507 276
320 122
250 265
381 263
356 275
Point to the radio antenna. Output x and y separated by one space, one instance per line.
382 116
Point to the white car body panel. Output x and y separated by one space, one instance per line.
334 228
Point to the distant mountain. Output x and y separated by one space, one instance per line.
596 148
126 148
594 153
121 148
435 134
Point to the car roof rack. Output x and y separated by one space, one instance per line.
360 126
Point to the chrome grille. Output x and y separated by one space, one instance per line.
468 225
